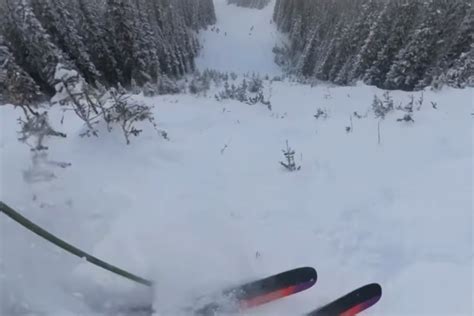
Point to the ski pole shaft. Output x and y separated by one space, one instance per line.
23 221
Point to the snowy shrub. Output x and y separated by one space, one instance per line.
321 113
260 98
114 108
229 92
149 90
406 118
255 84
350 128
73 93
382 107
134 88
127 113
35 128
289 154
282 56
420 101
360 116
167 86
409 107
215 76
200 83
243 94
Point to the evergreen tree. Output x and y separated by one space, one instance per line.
412 61
120 21
395 44
376 39
356 40
456 62
146 62
31 45
94 32
62 28
16 86
403 15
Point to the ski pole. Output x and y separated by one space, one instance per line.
23 221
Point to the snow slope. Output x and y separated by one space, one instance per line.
213 207
241 41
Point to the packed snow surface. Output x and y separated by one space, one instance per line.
213 207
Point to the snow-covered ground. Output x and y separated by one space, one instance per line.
213 207
241 41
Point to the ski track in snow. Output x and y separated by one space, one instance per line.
193 217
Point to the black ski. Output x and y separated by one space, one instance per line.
352 303
261 292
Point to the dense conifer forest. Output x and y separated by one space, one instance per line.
393 44
106 42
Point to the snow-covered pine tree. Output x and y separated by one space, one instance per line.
456 65
206 13
120 21
26 34
376 39
16 86
356 41
319 39
396 44
402 18
146 62
413 60
62 28
107 42
347 44
92 28
197 13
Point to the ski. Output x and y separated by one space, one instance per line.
352 303
260 292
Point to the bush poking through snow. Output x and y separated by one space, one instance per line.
420 101
35 126
350 128
165 85
289 154
250 94
321 113
200 83
408 109
407 118
127 113
255 84
73 93
382 107
116 108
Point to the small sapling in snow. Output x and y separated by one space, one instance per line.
289 154
321 113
